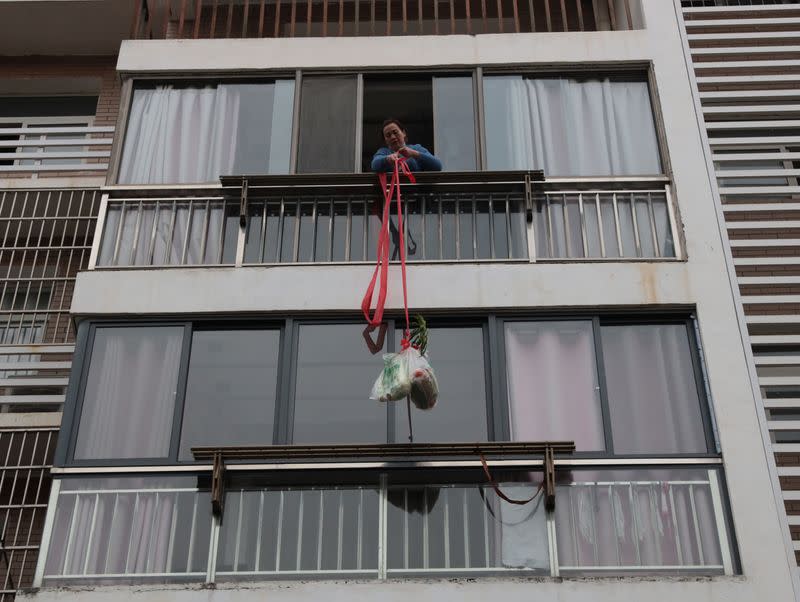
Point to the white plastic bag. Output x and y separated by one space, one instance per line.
407 373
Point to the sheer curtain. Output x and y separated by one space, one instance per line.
652 391
569 127
180 135
129 398
552 383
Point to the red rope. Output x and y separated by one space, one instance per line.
382 263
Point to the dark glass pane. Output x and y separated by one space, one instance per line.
335 373
129 397
231 388
652 393
327 124
457 358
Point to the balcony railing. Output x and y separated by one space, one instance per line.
449 217
351 521
200 19
55 148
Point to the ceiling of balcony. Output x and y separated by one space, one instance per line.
63 27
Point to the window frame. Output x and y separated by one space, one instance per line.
643 70
495 371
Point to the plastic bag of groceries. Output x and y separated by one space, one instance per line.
407 373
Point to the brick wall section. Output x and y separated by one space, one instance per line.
50 67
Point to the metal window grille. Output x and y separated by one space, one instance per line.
27 456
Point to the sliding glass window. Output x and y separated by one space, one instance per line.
196 133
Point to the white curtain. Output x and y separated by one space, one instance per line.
570 128
552 383
652 390
178 135
129 398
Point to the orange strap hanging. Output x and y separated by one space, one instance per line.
382 264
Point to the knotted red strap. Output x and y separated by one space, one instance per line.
382 264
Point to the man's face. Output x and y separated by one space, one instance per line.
394 137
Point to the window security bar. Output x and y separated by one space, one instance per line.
628 521
449 217
56 148
155 19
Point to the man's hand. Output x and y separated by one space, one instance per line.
408 153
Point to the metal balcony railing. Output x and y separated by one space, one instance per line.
200 19
335 219
55 148
642 520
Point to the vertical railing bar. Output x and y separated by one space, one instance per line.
167 15
564 22
281 222
388 17
467 562
423 223
441 229
580 15
153 231
474 227
565 219
596 13
485 506
635 223
293 19
309 11
246 18
508 228
297 217
71 536
617 225
675 528
262 241
365 239
358 17
260 528
300 511
600 225
436 17
136 227
360 530
280 534
419 17
425 534
330 229
628 15
446 527
91 532
221 239
320 525
181 18
547 15
614 522
238 539
573 528
314 218
457 218
452 17
189 218
204 237
516 16
500 16
118 240
405 528
113 516
198 9
635 522
551 244
213 20
469 16
492 249
340 531
168 246
652 496
341 17
719 519
261 11
348 230
584 232
133 531
324 18
405 16
596 553
697 535
532 16
190 552
612 14
653 231
229 23
150 537
277 18
172 530
372 17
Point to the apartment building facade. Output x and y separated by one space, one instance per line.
217 433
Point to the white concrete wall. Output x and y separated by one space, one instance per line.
702 281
